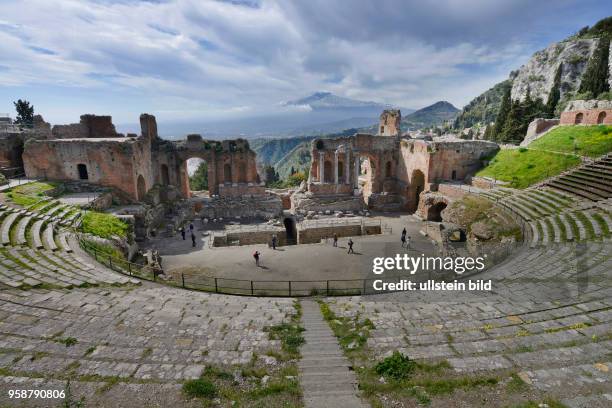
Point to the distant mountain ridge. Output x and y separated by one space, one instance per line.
327 100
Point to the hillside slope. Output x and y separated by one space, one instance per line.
560 66
549 155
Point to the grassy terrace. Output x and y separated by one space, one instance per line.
103 225
29 194
524 167
592 141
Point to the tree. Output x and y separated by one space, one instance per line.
502 115
199 180
595 77
555 93
270 175
25 113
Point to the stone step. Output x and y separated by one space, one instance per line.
36 237
47 238
21 230
5 229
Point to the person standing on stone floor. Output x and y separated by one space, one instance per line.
256 256
335 239
183 232
274 241
408 242
193 240
191 227
350 245
403 237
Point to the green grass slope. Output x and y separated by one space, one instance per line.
592 141
524 167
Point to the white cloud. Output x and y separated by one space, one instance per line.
216 58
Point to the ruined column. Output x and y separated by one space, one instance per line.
212 176
336 167
347 168
321 167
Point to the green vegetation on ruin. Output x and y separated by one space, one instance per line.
30 194
524 167
592 141
103 225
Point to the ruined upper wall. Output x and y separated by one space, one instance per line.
90 126
390 122
592 112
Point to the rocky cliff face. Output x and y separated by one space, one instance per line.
538 75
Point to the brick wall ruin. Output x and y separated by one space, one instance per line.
92 150
592 112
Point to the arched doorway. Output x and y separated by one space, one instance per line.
290 230
165 175
328 172
340 171
388 171
82 169
417 183
227 173
434 213
601 117
197 173
141 187
579 118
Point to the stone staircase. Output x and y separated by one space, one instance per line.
324 371
592 181
35 250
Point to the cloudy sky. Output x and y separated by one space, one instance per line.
187 59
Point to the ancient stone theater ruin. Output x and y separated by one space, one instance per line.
92 151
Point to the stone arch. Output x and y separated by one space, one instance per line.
328 172
417 186
579 118
227 173
82 169
165 175
434 213
601 117
388 170
141 187
340 170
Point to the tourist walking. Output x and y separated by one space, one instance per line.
191 227
183 232
256 256
408 242
403 237
350 245
274 241
335 239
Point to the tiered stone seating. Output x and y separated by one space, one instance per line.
36 251
132 346
554 217
591 181
538 322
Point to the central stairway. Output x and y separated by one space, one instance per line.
325 376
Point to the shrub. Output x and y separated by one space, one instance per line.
200 388
103 225
396 366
